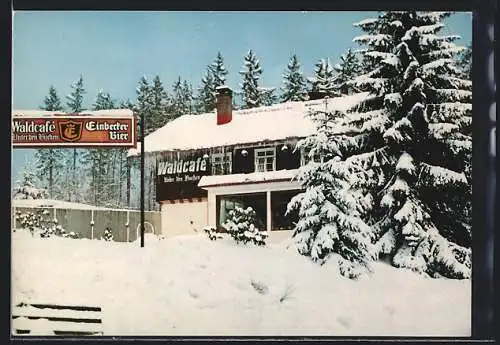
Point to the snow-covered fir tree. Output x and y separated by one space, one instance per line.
348 68
322 83
252 71
153 104
294 83
103 101
159 113
188 97
244 228
74 102
268 96
75 98
125 164
50 162
182 98
98 162
218 71
332 207
205 100
27 186
412 137
144 106
465 61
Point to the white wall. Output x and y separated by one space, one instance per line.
176 218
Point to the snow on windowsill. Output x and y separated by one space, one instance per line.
255 177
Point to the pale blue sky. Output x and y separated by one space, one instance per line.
112 50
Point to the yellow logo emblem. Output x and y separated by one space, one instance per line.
70 130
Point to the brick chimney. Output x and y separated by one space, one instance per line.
224 104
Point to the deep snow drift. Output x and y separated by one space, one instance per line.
192 286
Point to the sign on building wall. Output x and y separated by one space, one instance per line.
59 130
183 170
177 175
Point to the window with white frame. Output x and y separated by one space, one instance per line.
221 163
265 159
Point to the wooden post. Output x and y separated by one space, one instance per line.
268 211
92 225
127 226
129 163
142 178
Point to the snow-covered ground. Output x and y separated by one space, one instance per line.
191 286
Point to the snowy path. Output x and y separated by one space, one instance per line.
191 286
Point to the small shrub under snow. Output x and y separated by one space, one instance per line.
212 233
241 225
38 224
108 234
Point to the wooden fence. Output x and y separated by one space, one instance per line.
124 224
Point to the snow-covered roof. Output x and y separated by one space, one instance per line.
107 113
255 177
270 123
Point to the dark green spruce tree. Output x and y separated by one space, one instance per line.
348 68
74 103
294 84
251 73
50 162
413 138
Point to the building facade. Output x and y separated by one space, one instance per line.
208 164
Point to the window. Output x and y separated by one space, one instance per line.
221 163
279 203
257 201
265 159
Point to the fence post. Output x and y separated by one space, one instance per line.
127 226
55 216
92 225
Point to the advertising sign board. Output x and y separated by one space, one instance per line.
74 130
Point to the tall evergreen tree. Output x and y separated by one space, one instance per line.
268 96
144 105
348 68
252 71
215 76
74 103
153 104
205 100
50 161
322 84
412 137
332 207
182 97
294 88
465 61
218 71
99 163
188 96
125 164
160 113
26 186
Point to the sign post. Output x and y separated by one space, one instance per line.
142 180
102 128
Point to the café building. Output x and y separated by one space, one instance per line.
207 164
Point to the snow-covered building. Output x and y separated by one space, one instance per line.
209 163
